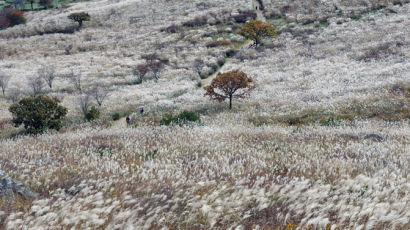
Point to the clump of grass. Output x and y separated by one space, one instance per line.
150 155
185 117
116 116
218 43
388 108
260 120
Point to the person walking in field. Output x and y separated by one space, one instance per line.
128 120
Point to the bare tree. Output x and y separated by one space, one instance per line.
99 93
198 65
37 85
48 74
14 94
76 80
4 81
84 102
156 67
139 73
149 58
155 64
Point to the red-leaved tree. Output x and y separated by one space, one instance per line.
233 84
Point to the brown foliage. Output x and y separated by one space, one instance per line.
16 17
233 84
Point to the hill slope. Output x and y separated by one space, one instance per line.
322 142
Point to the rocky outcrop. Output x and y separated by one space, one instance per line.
9 187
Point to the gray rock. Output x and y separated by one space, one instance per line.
374 137
9 186
2 174
6 190
44 161
350 137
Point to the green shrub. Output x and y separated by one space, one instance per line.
104 151
168 119
38 113
150 155
185 117
115 116
331 121
199 84
46 3
92 114
79 17
230 53
188 116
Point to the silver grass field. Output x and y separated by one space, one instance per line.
323 142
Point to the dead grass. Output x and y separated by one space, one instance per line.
393 107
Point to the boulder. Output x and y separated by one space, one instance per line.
44 161
374 137
9 187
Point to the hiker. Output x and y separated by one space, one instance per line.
142 111
128 120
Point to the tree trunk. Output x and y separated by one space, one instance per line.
230 102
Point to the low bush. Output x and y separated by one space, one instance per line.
331 121
79 17
379 52
244 16
220 61
399 89
104 151
218 43
213 67
198 21
167 119
171 29
184 118
92 114
260 120
46 3
16 17
230 53
4 123
115 116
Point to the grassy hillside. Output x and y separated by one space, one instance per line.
321 143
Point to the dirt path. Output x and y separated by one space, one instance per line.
259 16
259 13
